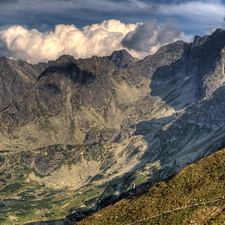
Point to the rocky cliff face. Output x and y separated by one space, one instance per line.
16 77
149 118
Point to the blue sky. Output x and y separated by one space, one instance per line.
178 19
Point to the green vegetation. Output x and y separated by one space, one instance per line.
11 188
23 201
39 203
95 152
2 160
195 195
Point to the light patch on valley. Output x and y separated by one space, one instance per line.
72 177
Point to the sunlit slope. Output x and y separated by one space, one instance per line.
194 196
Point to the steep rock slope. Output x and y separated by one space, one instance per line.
122 59
194 71
16 77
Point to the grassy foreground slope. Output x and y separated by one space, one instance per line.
196 195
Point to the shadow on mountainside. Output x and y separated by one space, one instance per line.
196 74
195 134
67 66
177 140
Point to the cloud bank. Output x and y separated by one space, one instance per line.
147 36
102 39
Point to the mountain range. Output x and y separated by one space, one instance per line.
79 134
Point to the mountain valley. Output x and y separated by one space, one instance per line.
77 135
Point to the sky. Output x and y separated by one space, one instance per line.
42 30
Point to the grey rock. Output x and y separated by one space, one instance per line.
122 59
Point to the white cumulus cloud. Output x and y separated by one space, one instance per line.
34 46
98 39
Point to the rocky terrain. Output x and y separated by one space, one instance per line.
16 77
83 132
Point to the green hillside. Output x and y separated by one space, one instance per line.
196 195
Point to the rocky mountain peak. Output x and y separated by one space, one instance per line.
64 60
188 72
177 48
121 58
206 62
66 66
211 42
